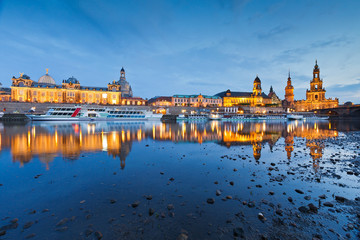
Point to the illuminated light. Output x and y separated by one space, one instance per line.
104 95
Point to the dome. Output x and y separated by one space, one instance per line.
46 79
257 80
72 80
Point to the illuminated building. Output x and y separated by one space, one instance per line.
256 98
23 89
315 97
161 101
288 102
126 101
196 101
275 100
5 94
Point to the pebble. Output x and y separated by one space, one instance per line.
210 201
228 197
231 183
135 204
2 233
238 232
170 207
151 211
307 197
182 236
112 201
261 217
313 208
218 193
62 222
328 204
304 209
27 225
290 199
299 191
148 197
340 198
30 236
98 234
322 196
88 232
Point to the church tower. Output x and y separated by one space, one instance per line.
289 91
316 93
256 96
126 90
257 87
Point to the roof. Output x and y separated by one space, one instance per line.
195 96
160 98
239 94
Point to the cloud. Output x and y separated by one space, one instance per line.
278 30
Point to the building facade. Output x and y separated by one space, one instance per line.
196 101
23 89
162 101
256 98
315 97
288 102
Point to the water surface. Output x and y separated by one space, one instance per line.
69 180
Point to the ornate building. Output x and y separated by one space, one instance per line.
196 101
288 102
126 90
275 100
315 97
254 98
23 89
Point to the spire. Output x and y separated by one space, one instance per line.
271 89
289 73
47 71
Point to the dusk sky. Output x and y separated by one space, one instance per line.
185 47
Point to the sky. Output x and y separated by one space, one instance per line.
172 47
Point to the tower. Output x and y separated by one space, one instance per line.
316 93
257 87
122 73
289 91
126 90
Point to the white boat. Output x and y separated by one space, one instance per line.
81 113
192 117
294 117
214 116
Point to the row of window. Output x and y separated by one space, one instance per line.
126 116
125 112
181 100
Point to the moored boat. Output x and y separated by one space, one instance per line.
294 117
81 113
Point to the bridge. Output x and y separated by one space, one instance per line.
342 111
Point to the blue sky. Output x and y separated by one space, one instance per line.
185 47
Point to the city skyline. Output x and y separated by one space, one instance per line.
177 47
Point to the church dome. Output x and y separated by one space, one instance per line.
46 79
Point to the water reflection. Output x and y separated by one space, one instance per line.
70 140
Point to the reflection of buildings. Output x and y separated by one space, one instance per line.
71 140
